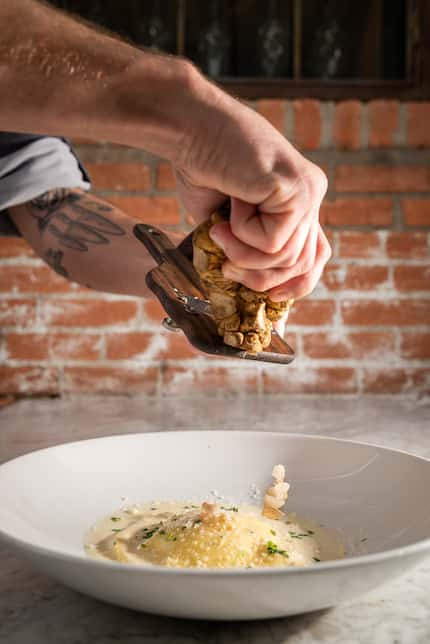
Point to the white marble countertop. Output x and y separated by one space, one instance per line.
36 610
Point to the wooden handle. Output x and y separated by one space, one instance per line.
175 281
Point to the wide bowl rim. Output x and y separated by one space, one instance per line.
416 548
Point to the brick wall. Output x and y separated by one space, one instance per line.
366 328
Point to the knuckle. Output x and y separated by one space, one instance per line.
321 181
304 285
327 252
316 183
306 265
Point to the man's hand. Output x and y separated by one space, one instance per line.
67 78
273 240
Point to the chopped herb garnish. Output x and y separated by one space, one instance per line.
186 507
232 509
194 506
115 519
197 521
116 529
273 532
300 535
153 508
142 545
273 549
162 532
170 537
147 533
316 559
311 532
363 539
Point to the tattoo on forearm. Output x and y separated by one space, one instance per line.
50 200
75 220
54 258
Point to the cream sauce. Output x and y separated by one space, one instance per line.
174 535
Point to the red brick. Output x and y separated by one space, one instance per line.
17 312
359 277
111 380
149 210
152 346
74 346
382 178
83 140
412 278
274 111
347 125
32 279
360 345
120 176
407 245
388 312
311 313
418 124
396 381
178 348
383 122
357 212
27 346
416 212
15 247
28 380
165 177
209 380
332 236
310 380
124 346
307 124
89 312
361 245
415 346
153 311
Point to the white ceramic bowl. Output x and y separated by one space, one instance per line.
50 498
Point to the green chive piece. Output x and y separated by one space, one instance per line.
316 559
363 539
116 529
273 549
272 532
115 519
147 533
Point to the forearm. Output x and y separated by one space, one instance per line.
61 77
85 240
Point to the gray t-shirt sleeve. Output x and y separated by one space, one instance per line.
31 165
